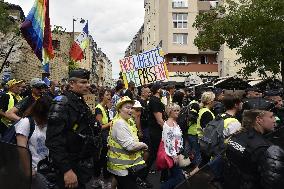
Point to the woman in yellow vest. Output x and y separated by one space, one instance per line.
102 116
125 150
205 115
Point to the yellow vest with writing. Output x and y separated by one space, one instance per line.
200 113
11 104
118 157
105 117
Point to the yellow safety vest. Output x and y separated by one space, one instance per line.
192 127
11 104
105 117
119 158
200 113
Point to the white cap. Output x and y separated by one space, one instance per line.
137 104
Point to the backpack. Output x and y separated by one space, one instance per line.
10 135
188 114
212 141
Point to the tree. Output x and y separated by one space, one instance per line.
7 23
255 28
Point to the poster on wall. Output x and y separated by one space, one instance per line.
144 68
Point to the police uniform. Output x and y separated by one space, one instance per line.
73 135
252 162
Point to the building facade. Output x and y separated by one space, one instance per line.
23 63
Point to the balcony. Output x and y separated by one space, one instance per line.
191 67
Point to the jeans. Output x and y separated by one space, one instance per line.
195 149
175 177
126 182
217 166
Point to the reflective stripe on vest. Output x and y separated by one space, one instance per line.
105 117
200 113
118 157
11 104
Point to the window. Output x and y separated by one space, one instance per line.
56 45
179 59
180 20
180 38
179 3
204 59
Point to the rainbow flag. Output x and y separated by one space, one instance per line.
37 32
79 45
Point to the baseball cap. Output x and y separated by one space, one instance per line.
37 83
12 82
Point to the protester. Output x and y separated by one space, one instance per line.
73 134
233 105
156 121
173 142
130 91
117 95
22 107
144 119
253 92
102 116
178 98
7 102
218 107
251 160
205 115
36 143
125 150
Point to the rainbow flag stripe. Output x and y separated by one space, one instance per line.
36 30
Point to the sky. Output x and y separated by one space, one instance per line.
112 23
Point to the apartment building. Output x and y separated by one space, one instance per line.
168 24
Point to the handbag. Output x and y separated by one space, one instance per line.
163 161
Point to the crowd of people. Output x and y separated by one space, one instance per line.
239 136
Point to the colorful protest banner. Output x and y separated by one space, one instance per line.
144 68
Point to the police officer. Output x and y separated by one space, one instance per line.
73 135
252 162
275 97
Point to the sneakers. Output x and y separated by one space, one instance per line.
97 183
144 183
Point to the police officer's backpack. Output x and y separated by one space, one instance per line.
212 141
10 135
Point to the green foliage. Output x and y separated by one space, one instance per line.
254 27
58 29
6 22
72 65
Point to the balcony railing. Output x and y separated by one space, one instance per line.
192 67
